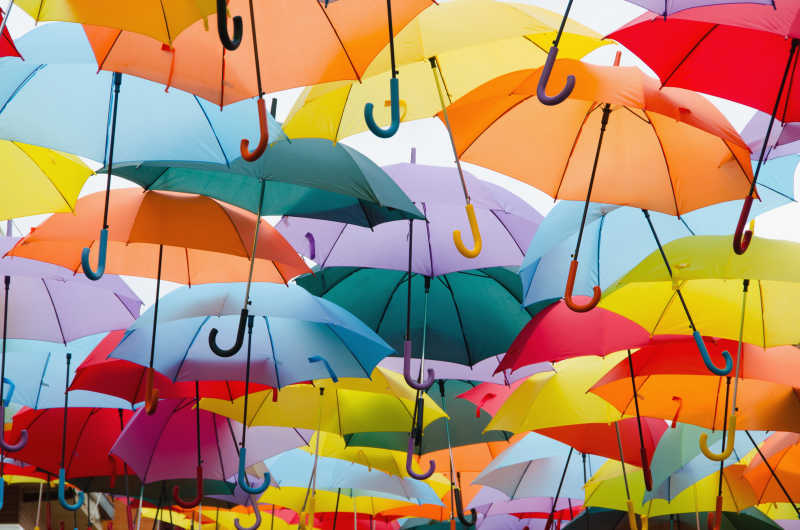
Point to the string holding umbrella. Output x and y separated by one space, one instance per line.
62 473
419 384
394 91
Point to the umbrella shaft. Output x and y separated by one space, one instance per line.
391 37
116 81
560 484
745 285
155 308
2 28
724 433
255 244
247 377
622 461
437 72
255 49
7 281
563 23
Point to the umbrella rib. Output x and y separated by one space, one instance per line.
333 28
216 439
21 84
245 247
522 251
488 125
446 283
346 100
592 107
102 63
47 178
166 23
274 353
332 327
41 380
428 232
55 311
188 347
188 272
685 57
78 438
333 246
666 163
211 126
153 452
389 300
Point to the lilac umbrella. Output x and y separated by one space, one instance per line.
784 138
668 7
490 501
483 371
165 445
507 227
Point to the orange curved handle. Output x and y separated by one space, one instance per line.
597 293
150 394
262 143
741 239
677 412
482 402
476 235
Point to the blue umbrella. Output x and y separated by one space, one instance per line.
617 238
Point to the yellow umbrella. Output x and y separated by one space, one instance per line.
325 501
382 403
160 19
606 489
502 37
710 274
227 518
778 510
553 399
38 180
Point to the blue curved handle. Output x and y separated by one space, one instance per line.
2 491
410 462
23 435
101 258
61 499
698 339
545 77
11 387
257 514
423 385
320 359
242 479
394 91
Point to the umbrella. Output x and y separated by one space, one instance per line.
7 47
503 37
345 39
617 238
782 139
760 39
670 135
487 370
773 473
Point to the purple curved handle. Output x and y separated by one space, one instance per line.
424 385
257 514
21 442
312 246
410 462
545 77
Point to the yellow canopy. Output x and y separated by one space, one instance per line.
325 501
502 37
553 399
383 403
606 489
246 518
710 276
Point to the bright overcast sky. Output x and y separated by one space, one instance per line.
430 138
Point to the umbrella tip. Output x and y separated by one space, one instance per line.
617 58
413 155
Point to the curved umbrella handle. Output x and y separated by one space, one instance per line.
648 476
212 338
242 478
596 292
191 503
222 27
460 510
61 488
263 141
741 239
21 441
394 94
11 388
698 339
424 385
677 412
324 361
631 515
101 258
257 513
312 245
545 77
476 235
410 462
482 402
719 457
150 393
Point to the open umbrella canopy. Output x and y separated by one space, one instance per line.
782 141
503 37
782 451
350 500
308 177
291 326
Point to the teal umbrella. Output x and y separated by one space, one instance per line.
308 177
461 307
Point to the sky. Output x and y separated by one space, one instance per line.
430 137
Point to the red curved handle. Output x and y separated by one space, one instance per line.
150 393
677 412
741 239
191 503
482 402
262 143
597 293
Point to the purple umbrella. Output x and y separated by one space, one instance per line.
490 501
483 371
783 139
507 227
179 441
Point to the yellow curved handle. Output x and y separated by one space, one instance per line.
403 108
644 522
476 235
631 515
728 446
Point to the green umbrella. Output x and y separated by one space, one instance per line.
308 177
462 306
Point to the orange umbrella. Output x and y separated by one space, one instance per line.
774 473
619 138
175 236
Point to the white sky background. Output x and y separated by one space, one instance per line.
430 137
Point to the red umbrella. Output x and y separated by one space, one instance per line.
557 333
124 379
7 46
744 53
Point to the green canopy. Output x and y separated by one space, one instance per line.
308 177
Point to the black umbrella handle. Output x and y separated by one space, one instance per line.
222 27
460 510
212 338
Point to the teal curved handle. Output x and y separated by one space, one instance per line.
698 339
320 359
394 91
2 491
242 478
11 387
62 499
101 258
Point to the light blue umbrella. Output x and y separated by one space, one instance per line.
296 336
293 469
617 238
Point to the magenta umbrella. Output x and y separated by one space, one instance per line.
162 446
